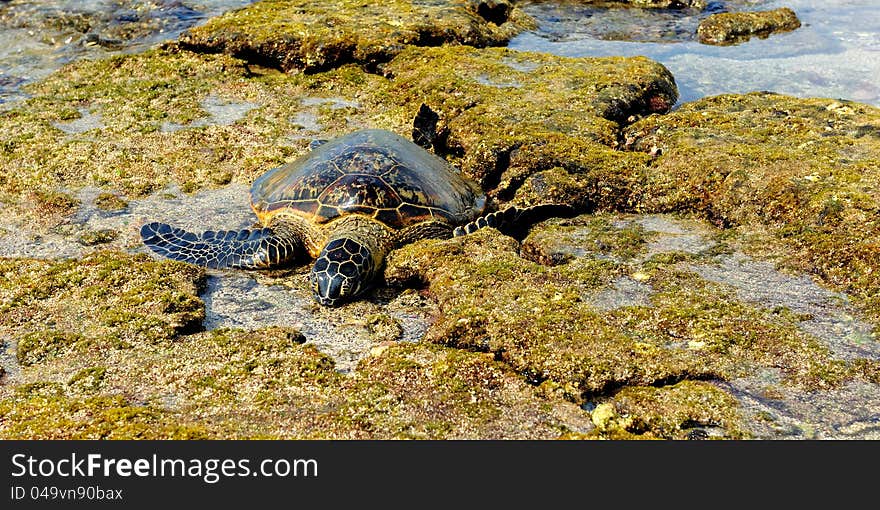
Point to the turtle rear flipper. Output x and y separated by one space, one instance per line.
242 249
514 221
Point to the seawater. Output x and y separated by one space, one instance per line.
835 53
39 36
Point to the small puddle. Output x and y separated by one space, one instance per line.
307 120
86 122
773 409
227 206
220 113
830 316
624 291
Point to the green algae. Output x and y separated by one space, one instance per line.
317 36
796 178
87 380
31 415
123 333
429 392
559 241
533 317
136 97
532 129
503 115
110 202
541 321
549 111
735 27
707 317
39 345
106 299
95 237
384 328
679 411
267 384
47 206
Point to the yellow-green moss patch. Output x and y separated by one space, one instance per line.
110 202
105 300
798 178
35 415
685 410
736 27
319 35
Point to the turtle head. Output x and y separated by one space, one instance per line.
344 269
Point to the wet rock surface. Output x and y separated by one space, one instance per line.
648 315
716 281
40 36
733 28
321 35
796 177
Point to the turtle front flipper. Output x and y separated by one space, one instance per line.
243 249
513 220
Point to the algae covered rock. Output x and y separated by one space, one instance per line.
502 115
319 35
105 300
605 325
172 116
736 27
650 4
166 116
619 307
432 392
110 25
685 410
266 384
797 176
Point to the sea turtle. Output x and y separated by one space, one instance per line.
346 203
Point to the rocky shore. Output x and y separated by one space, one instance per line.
719 278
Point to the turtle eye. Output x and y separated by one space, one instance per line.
347 285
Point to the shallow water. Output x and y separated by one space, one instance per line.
835 53
776 410
39 36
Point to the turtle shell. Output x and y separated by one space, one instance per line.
371 172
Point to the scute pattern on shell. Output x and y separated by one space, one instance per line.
371 172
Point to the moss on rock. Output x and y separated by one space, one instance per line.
543 322
430 392
735 27
797 178
105 300
157 127
32 414
267 384
95 237
384 328
320 35
558 241
503 115
534 318
686 410
110 202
